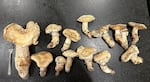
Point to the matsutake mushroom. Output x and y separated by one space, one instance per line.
85 19
136 27
53 29
102 58
22 38
42 59
86 54
71 35
103 32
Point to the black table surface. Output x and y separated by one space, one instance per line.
65 13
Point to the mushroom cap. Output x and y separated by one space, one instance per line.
60 59
118 27
85 52
70 53
86 18
42 59
103 56
53 28
72 34
137 25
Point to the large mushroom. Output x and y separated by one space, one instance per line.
136 27
86 54
121 33
132 54
102 58
85 19
22 38
60 62
103 32
71 35
53 29
42 59
70 54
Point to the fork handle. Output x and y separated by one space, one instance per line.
9 64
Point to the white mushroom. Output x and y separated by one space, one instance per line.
22 38
102 58
85 19
103 32
60 62
70 54
86 54
53 29
132 54
42 59
136 27
71 35
121 33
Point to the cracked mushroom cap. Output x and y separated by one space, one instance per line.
85 52
53 28
102 57
118 27
137 25
72 34
60 59
86 18
42 59
70 53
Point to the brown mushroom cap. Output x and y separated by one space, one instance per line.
85 52
60 59
72 34
42 59
103 56
118 26
86 18
70 53
53 28
137 25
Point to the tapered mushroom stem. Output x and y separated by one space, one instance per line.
124 43
108 40
89 65
58 68
106 69
54 41
66 44
43 72
22 61
137 60
68 64
135 35
85 29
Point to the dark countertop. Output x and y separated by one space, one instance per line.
65 13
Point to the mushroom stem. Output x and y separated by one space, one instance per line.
54 41
137 60
58 68
22 61
89 65
124 43
108 40
106 69
135 35
85 29
68 64
66 44
43 72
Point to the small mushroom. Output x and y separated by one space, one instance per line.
42 59
132 54
85 19
103 32
136 27
22 38
60 62
102 58
121 33
70 54
71 35
86 54
53 29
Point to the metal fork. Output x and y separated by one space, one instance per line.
9 61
